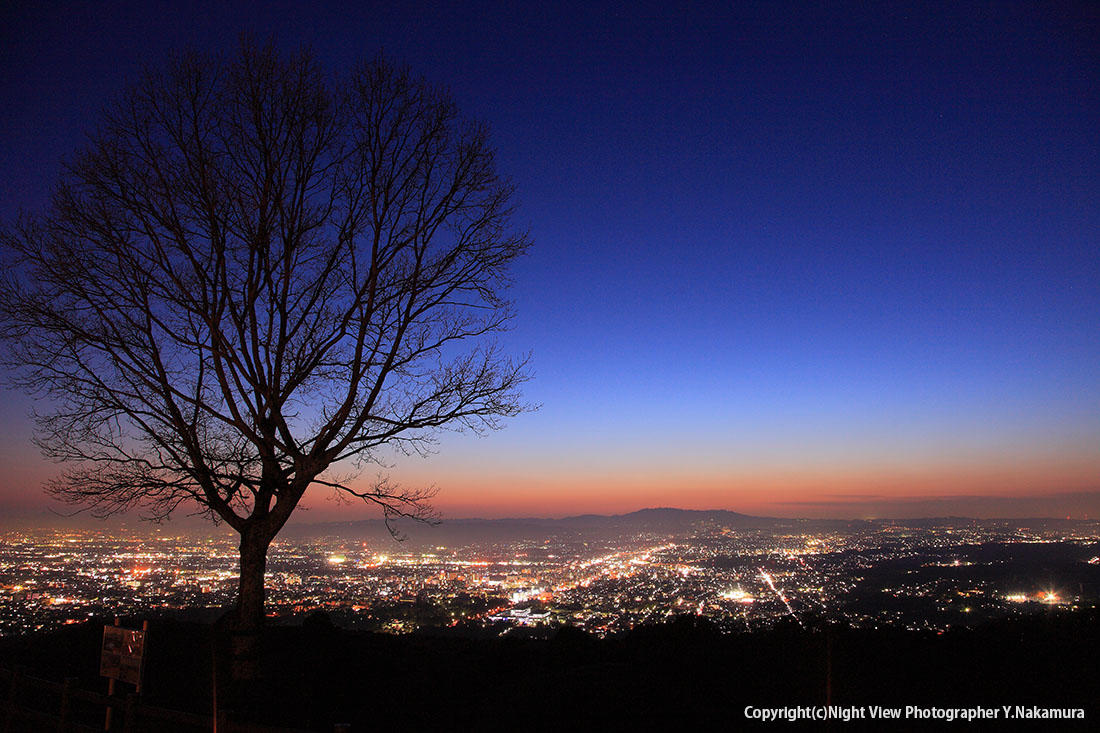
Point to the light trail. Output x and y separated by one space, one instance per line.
768 579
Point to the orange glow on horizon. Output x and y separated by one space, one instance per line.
989 485
776 491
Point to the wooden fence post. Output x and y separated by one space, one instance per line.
66 704
144 649
9 719
110 693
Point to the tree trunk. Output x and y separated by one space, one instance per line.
249 615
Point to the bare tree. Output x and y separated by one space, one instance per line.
254 274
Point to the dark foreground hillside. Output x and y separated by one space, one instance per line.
680 674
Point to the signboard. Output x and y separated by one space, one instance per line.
122 654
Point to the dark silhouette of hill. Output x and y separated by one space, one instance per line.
584 526
589 527
683 673
670 518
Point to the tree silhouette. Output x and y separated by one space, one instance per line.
254 274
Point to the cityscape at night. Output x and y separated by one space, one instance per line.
925 575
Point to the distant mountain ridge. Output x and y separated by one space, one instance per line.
665 514
649 515
584 527
661 519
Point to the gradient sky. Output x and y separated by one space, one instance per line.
835 261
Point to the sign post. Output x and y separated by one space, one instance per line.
122 659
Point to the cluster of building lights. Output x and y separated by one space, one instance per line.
742 578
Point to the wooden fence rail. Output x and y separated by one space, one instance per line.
35 705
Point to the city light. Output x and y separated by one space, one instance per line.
739 578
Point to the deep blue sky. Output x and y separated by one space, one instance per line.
792 252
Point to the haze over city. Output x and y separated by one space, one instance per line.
784 263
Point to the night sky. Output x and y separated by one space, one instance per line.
798 259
